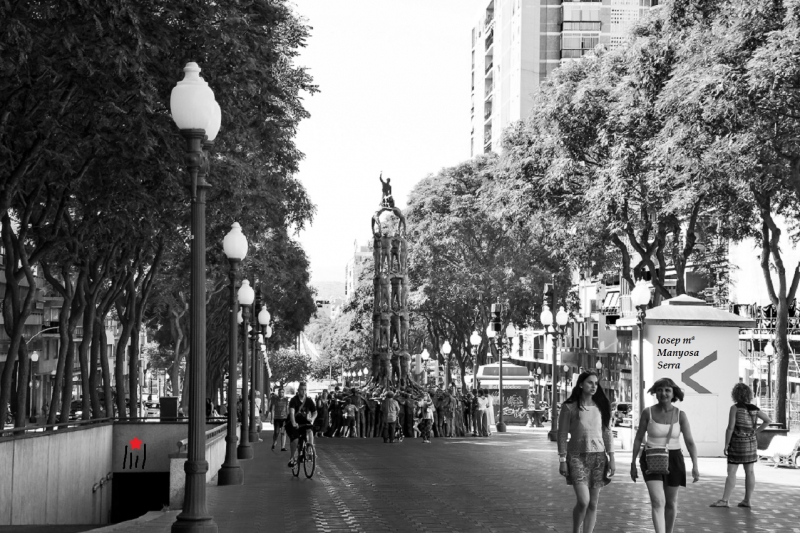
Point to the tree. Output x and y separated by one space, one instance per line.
288 365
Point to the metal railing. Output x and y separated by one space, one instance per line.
42 428
580 25
210 434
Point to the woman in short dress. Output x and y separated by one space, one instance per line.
656 422
741 446
587 460
321 422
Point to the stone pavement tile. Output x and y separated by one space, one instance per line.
506 483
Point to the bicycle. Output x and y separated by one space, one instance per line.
398 434
306 453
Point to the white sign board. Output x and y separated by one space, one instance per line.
704 362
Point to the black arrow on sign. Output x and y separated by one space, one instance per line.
686 376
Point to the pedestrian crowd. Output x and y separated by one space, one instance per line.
363 413
586 449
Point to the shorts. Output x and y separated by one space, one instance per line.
295 432
279 423
677 470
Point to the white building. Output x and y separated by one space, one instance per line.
354 266
517 43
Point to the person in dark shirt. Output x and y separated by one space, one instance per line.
302 412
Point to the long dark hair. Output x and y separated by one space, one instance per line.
599 397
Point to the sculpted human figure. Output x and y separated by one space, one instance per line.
386 295
395 378
395 338
387 199
403 256
376 337
403 330
404 292
376 253
394 259
385 332
396 304
376 224
386 250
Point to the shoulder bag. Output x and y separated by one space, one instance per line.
657 456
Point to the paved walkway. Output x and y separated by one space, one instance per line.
505 483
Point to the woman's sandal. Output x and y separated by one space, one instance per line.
720 503
743 504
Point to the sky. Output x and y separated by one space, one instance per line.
394 80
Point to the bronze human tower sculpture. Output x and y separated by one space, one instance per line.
390 357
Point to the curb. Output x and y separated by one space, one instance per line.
147 517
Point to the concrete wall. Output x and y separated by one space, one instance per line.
47 478
215 455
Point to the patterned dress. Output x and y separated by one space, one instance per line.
743 445
588 446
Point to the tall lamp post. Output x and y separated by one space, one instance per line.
446 349
475 340
769 351
538 389
235 246
197 114
425 356
246 297
640 297
556 330
258 368
34 357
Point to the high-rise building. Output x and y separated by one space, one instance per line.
353 268
517 43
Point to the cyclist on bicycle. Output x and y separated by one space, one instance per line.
280 411
302 412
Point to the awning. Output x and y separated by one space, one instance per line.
611 303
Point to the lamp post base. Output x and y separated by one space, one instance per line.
244 452
501 427
230 475
206 525
552 436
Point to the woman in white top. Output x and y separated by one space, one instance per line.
656 421
489 411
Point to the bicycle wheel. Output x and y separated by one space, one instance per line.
310 464
296 467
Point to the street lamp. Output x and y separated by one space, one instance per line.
34 357
640 298
769 351
425 356
235 247
511 332
246 296
197 115
538 388
475 340
557 330
258 372
446 349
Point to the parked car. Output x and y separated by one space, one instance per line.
621 414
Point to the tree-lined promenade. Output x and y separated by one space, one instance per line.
94 196
632 161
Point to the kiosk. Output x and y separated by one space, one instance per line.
697 346
516 384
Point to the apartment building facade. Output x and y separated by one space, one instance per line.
516 44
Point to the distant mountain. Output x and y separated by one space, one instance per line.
329 290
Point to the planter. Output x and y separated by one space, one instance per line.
765 437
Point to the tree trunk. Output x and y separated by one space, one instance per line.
88 379
102 354
119 366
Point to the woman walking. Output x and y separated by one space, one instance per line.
588 460
426 414
664 423
490 423
321 422
741 446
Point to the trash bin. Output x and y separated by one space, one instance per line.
169 407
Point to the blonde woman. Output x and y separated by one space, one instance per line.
741 446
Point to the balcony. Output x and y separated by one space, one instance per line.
487 114
489 67
580 25
489 40
489 89
574 53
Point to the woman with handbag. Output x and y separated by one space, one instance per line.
662 463
587 461
741 445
